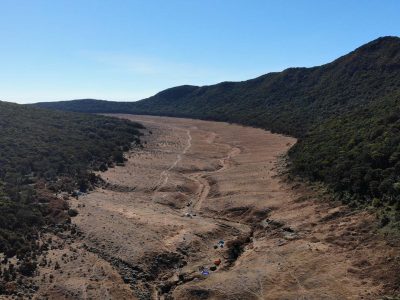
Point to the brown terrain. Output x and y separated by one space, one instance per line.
152 229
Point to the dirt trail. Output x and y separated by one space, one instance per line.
159 220
164 176
200 179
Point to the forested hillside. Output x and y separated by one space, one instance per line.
45 152
358 154
345 114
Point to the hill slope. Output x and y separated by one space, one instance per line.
345 114
44 152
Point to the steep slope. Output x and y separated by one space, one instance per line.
44 152
345 114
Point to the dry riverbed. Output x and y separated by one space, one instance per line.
152 232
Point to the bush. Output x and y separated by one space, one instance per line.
72 212
376 202
385 220
27 268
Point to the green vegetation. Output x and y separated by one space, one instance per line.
345 114
45 152
361 162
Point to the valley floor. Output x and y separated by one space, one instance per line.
154 227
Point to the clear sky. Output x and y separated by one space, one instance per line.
128 50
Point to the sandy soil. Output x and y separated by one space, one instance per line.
156 224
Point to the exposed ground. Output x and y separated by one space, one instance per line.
156 223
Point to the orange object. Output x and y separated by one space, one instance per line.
217 262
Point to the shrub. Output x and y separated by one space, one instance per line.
72 212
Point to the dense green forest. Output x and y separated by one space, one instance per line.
358 155
345 114
45 152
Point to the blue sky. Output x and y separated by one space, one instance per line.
128 50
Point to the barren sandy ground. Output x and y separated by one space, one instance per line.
150 231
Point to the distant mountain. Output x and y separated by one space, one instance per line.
346 114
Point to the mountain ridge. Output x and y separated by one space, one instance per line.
186 100
346 115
